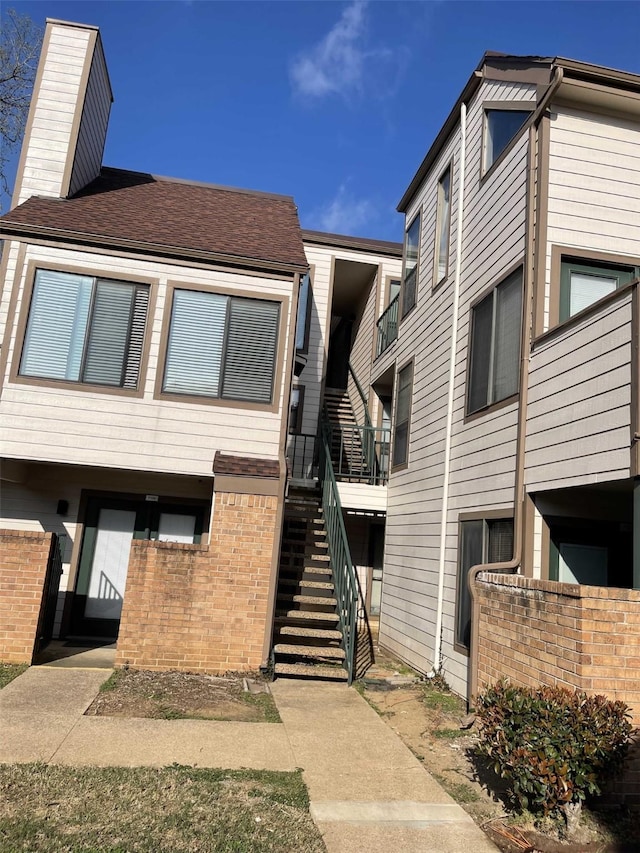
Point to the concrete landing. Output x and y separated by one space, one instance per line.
65 655
367 790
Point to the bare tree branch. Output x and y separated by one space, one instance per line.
20 42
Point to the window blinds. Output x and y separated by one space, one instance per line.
251 350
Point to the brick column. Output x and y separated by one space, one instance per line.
23 567
204 608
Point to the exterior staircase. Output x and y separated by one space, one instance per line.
347 456
307 636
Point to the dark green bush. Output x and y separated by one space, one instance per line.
553 745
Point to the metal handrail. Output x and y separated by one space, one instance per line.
367 418
387 326
363 454
345 580
302 457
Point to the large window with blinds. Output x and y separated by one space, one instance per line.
221 346
494 367
481 540
85 329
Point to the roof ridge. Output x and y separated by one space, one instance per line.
114 170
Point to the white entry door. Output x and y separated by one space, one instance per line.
110 563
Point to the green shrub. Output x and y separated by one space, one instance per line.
553 745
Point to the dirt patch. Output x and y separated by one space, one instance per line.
429 719
181 695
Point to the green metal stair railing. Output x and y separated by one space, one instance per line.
344 574
368 435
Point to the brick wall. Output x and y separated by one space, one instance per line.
23 566
544 632
202 608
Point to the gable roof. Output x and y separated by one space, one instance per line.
145 212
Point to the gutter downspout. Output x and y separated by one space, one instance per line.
512 566
437 654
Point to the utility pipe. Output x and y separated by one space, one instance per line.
512 566
437 655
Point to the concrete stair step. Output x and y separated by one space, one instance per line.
324 600
306 616
315 633
309 651
321 585
286 571
311 671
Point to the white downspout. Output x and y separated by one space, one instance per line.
452 375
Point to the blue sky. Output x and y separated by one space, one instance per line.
333 103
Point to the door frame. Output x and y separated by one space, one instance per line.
73 616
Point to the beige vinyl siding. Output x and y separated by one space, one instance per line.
84 427
594 173
32 505
93 125
53 112
363 346
311 378
579 414
483 449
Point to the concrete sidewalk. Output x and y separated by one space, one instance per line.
367 790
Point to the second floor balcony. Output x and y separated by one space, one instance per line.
387 326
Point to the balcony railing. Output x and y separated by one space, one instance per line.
361 454
387 326
302 456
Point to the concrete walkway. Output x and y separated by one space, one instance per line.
367 790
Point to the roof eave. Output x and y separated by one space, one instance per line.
14 230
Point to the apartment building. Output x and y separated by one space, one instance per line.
515 387
232 443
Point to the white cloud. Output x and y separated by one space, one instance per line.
344 214
340 63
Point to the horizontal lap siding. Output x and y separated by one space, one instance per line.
594 174
482 474
82 427
52 120
579 413
93 126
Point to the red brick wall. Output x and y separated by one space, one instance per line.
543 632
202 608
23 566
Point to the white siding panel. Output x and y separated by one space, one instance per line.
93 125
483 449
109 430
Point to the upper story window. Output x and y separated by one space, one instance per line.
403 416
304 314
443 226
85 329
583 282
495 345
410 273
221 346
501 125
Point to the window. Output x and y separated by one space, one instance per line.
410 275
304 314
443 225
495 345
482 540
85 329
583 282
221 346
394 289
295 409
403 415
500 128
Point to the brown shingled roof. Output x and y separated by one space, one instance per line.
225 463
136 207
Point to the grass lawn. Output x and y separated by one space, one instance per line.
51 809
9 671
